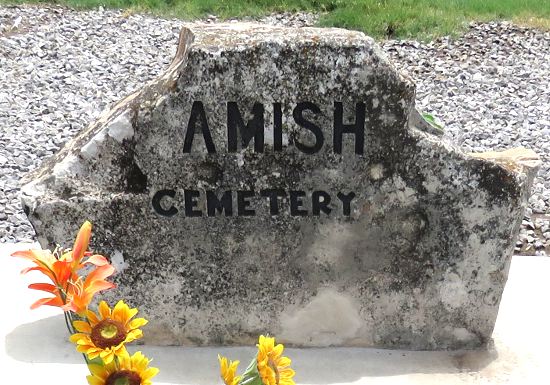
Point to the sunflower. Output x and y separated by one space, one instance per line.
132 370
273 368
227 371
104 335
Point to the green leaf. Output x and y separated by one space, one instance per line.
93 363
96 361
251 376
431 121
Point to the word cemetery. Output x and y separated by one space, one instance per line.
319 202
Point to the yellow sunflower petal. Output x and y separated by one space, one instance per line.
84 340
137 323
267 375
149 373
92 317
283 362
81 344
285 381
89 350
124 360
92 355
104 310
82 326
134 335
223 363
120 312
267 342
286 372
233 368
98 371
74 338
92 380
107 356
120 351
139 362
277 351
131 313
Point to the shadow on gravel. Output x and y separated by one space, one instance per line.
46 341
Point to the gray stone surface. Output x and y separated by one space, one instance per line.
419 260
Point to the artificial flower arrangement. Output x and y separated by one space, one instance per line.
101 336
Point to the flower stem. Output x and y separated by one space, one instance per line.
68 322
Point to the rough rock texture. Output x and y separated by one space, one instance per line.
182 195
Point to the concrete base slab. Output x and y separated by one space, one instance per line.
34 347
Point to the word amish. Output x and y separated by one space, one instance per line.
255 128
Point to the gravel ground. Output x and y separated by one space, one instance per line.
59 69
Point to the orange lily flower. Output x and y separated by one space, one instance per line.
57 300
81 293
44 259
71 292
82 241
45 262
59 272
76 293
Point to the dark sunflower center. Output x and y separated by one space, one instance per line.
108 333
123 377
273 366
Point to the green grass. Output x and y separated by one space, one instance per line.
420 19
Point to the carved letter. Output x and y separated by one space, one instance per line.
296 203
254 128
243 203
191 202
213 204
197 113
157 198
273 202
277 127
303 122
358 128
318 204
346 202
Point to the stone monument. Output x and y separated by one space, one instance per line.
281 181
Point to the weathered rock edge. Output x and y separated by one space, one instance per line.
445 295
